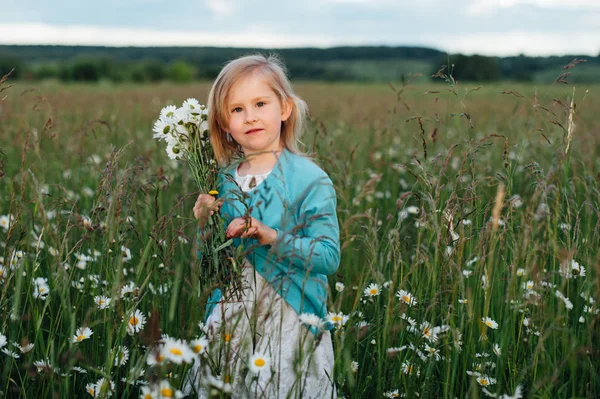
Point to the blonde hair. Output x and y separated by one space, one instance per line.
273 69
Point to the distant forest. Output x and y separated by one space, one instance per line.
361 64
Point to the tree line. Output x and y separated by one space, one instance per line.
184 64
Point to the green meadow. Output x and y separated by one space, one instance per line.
470 232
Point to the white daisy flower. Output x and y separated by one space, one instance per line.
10 353
485 381
520 272
463 301
259 362
42 365
41 288
177 351
103 302
91 389
339 319
311 319
3 273
2 340
104 388
6 221
192 104
168 112
174 152
25 348
467 273
82 333
199 345
135 322
489 322
156 356
393 394
412 210
354 366
567 302
497 350
126 253
372 290
162 128
406 297
408 368
339 287
121 356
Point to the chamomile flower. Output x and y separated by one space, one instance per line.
490 323
42 365
168 112
339 287
103 302
497 350
6 221
135 322
2 340
104 388
408 368
148 393
199 345
82 333
354 366
121 356
372 290
485 381
10 353
338 319
177 351
406 297
393 394
174 152
156 356
567 302
41 288
25 348
259 362
311 319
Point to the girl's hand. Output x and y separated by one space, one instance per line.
251 228
205 206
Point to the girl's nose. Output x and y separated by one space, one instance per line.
251 117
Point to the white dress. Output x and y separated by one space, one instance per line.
263 320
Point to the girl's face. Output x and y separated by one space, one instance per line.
255 115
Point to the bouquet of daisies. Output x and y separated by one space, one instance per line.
185 131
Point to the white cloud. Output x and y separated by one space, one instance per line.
263 36
221 7
476 7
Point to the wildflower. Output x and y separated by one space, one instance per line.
126 253
121 356
566 300
103 302
2 340
485 381
433 352
354 366
520 272
339 287
199 346
428 332
393 394
156 356
41 288
42 365
3 272
148 393
104 388
82 333
408 368
176 351
372 290
25 348
406 297
91 389
467 273
10 353
6 221
338 319
590 309
135 322
489 322
463 301
413 210
518 394
497 350
312 320
467 222
395 350
259 362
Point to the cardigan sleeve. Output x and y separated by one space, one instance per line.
317 248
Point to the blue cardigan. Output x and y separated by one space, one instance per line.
298 200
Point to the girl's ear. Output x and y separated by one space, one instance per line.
286 109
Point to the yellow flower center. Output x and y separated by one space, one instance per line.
42 289
373 291
147 396
406 299
227 337
426 331
176 351
101 301
197 348
260 362
134 321
160 358
168 392
80 338
227 379
91 391
488 323
336 319
483 381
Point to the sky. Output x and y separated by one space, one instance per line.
489 27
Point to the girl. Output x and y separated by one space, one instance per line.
281 207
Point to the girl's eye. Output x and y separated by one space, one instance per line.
260 104
237 109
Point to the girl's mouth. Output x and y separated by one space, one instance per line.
253 131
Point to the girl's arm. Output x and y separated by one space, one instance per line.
318 249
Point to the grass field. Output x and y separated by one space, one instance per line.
463 197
